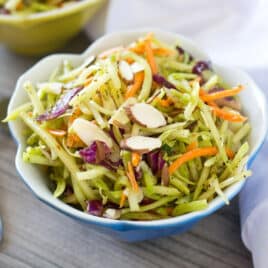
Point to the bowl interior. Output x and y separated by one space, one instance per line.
253 101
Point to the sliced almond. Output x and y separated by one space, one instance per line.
141 144
136 67
111 213
120 117
88 132
125 71
146 115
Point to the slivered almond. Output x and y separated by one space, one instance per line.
146 115
88 132
125 71
141 144
136 67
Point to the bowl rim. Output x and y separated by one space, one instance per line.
71 8
124 225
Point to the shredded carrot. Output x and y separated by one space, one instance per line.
202 92
150 56
88 81
164 102
138 49
76 113
222 94
135 159
229 153
57 132
122 200
73 141
160 51
191 146
110 51
129 60
132 89
227 115
131 177
206 151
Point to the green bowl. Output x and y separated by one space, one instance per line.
42 33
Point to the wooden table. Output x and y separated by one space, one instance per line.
37 236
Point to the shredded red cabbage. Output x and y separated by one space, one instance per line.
95 153
99 153
201 66
162 81
138 173
95 207
182 51
60 107
156 162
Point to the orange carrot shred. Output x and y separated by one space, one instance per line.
150 56
132 178
135 159
206 151
191 146
129 60
88 81
138 49
164 102
132 89
74 115
229 153
227 115
122 200
163 51
222 94
73 141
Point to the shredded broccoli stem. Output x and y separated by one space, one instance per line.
82 190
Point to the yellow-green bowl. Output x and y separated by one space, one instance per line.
41 33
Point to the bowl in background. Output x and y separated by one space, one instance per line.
253 101
41 33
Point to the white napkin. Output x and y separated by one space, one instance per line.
232 32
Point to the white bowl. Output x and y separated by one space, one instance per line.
254 105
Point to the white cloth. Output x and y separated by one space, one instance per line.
232 32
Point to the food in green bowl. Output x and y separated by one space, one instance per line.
26 7
31 32
142 132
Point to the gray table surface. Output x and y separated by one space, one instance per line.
37 236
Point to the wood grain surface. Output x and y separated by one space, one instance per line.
37 236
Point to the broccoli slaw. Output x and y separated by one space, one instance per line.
141 132
23 7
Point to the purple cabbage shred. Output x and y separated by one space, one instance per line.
201 66
92 155
95 207
162 81
156 162
60 107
